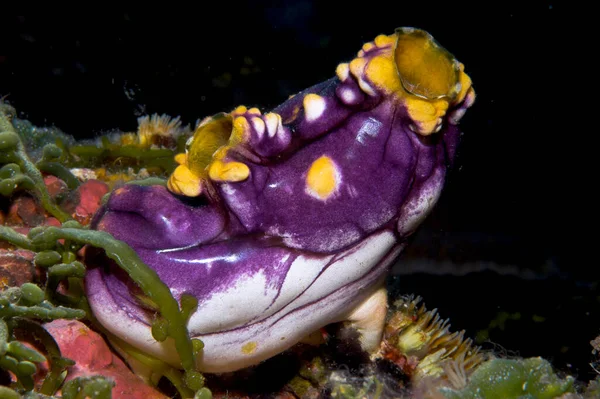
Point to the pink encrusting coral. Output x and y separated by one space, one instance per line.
94 357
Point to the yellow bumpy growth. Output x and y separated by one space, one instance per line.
205 152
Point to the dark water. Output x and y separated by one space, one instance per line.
508 236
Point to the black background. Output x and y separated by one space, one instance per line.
514 204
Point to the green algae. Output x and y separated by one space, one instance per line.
88 387
22 360
531 378
14 152
145 277
55 249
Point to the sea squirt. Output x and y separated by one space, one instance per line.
283 222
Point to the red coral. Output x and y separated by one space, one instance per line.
25 211
16 268
55 186
93 357
85 201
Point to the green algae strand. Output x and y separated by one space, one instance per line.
47 258
197 346
32 294
9 170
8 141
193 380
8 393
203 393
160 329
531 378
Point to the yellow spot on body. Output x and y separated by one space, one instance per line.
240 127
368 46
342 71
384 40
426 114
381 71
254 111
181 159
357 67
314 106
420 109
249 348
228 171
119 191
240 110
322 178
184 182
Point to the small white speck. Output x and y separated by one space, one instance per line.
348 96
